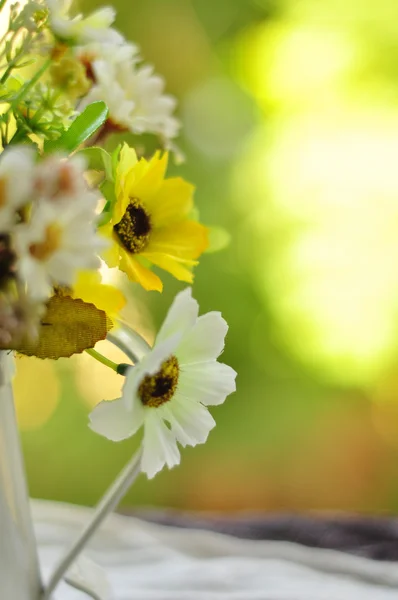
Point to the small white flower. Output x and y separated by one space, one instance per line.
16 177
19 318
58 177
59 240
169 389
134 96
121 53
79 29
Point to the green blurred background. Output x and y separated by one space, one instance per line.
290 114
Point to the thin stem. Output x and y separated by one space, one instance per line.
108 503
2 4
102 359
81 587
29 84
23 49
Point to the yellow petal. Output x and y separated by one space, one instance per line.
134 176
137 272
172 203
187 239
89 288
127 161
149 184
125 173
178 267
110 254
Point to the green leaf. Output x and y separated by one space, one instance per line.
219 238
107 189
82 128
98 159
105 216
115 157
68 327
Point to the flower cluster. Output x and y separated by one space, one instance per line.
48 232
67 206
90 61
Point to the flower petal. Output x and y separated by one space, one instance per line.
90 288
159 445
182 315
205 341
152 179
187 240
137 272
113 420
172 203
190 421
209 383
176 266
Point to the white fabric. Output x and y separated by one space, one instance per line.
144 561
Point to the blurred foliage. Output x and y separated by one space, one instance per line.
290 111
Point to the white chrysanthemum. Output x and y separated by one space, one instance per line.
58 177
16 177
169 389
121 53
135 98
79 29
59 240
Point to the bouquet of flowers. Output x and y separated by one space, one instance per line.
68 207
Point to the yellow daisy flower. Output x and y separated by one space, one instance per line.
150 223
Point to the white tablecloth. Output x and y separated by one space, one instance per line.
145 561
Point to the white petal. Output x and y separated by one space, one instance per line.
159 445
205 341
190 421
114 421
209 383
182 315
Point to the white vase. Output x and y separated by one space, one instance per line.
19 570
19 565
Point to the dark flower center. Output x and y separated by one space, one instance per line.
7 260
134 227
157 389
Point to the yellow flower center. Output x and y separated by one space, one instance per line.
51 243
134 228
157 389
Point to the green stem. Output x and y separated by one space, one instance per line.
13 63
103 360
106 505
32 82
2 4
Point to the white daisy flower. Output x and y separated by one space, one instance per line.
135 98
59 240
168 391
79 29
58 177
15 190
123 53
